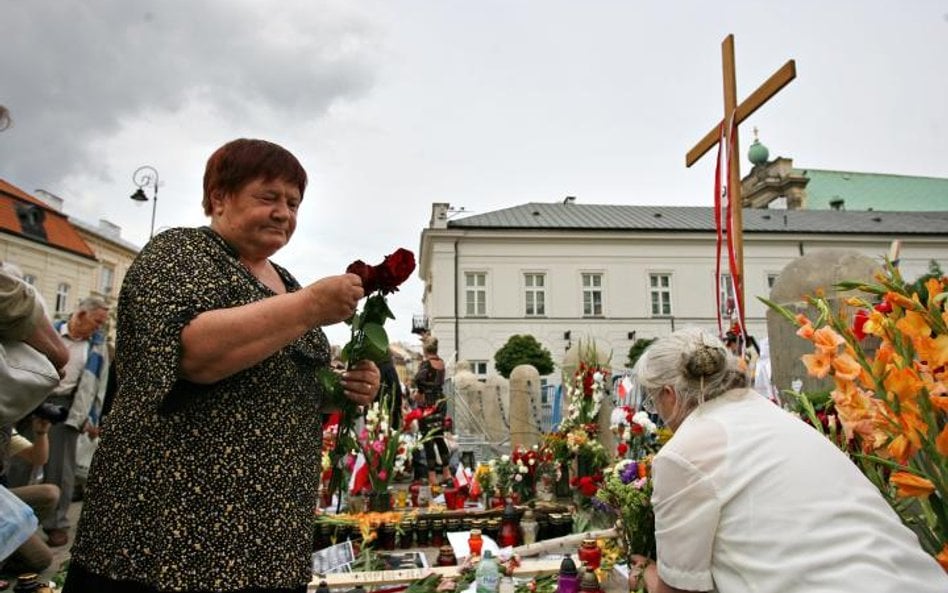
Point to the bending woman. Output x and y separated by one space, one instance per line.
748 497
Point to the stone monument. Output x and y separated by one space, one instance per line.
524 395
819 271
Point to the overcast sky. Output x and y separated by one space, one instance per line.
394 104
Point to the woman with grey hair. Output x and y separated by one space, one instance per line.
747 497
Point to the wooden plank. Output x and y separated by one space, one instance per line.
777 81
528 568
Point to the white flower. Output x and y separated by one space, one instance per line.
505 458
597 377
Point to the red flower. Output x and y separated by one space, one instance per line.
588 486
622 449
364 271
885 307
588 384
395 269
637 428
388 275
859 320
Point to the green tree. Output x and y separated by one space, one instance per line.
523 350
638 348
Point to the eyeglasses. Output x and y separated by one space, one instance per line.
648 404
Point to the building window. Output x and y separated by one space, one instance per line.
479 368
660 290
592 295
535 294
62 298
771 280
726 294
475 293
106 279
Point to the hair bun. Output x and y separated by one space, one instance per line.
705 361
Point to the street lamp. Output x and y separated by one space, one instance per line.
145 176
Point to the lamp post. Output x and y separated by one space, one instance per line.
145 176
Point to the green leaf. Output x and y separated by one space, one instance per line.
375 345
783 311
376 310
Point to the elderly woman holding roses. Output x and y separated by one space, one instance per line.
207 473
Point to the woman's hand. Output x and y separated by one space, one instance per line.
336 297
361 382
643 571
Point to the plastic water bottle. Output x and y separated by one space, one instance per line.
487 575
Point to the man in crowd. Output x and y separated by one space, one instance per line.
81 390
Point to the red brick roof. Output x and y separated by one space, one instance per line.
59 232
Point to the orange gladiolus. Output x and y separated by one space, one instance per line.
856 412
914 325
806 329
910 485
817 364
874 324
935 287
934 351
846 368
941 442
905 383
900 449
901 300
827 340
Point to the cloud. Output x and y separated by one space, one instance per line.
75 72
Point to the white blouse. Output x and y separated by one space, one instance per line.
749 498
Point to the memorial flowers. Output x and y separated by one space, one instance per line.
368 341
625 495
888 361
635 432
586 389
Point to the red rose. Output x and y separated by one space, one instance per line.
637 428
388 275
622 449
395 269
366 272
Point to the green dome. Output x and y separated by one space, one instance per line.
758 153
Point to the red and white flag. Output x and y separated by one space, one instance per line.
462 477
359 480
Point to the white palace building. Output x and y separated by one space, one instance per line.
568 271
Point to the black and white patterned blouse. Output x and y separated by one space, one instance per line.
202 487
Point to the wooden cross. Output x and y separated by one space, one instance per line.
764 92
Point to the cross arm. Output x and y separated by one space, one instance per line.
771 87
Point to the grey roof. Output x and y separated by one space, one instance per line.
612 217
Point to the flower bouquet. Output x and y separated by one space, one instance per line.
586 389
625 495
382 452
887 354
368 341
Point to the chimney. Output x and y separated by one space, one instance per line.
51 200
110 229
569 200
439 215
